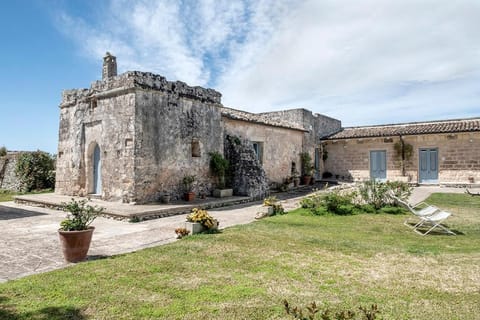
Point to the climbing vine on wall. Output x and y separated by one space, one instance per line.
35 171
404 152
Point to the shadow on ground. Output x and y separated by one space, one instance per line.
8 312
7 213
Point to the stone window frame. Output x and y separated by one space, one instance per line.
258 147
196 148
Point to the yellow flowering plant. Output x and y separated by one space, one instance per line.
203 217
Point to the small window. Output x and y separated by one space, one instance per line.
258 147
196 148
317 159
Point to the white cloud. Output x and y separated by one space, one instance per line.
360 61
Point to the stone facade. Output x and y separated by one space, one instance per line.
134 136
8 178
458 157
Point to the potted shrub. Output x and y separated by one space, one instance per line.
219 166
75 231
187 182
307 167
200 220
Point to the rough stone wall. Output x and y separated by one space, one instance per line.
8 178
281 146
247 175
316 126
458 157
167 126
351 159
106 118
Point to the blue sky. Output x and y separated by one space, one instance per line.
368 62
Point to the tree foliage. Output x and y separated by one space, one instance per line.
35 171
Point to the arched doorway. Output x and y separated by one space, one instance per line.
97 171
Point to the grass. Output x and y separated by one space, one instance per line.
7 195
246 271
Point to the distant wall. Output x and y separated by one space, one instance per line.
8 178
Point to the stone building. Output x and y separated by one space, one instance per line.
435 152
132 136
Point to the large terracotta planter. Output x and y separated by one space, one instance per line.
75 244
189 196
306 180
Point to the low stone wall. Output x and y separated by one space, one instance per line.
8 178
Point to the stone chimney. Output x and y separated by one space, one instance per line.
109 66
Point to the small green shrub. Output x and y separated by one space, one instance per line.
338 203
3 151
219 166
80 215
306 160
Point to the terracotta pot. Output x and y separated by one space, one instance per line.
306 180
165 198
190 196
75 244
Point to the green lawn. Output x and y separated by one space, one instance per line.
245 272
6 195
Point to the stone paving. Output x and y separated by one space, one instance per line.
29 242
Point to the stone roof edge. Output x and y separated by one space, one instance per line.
405 124
257 119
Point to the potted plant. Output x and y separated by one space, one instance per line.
181 232
219 166
75 231
188 181
307 167
165 197
200 220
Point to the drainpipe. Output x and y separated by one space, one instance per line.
403 154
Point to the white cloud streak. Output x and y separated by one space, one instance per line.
363 62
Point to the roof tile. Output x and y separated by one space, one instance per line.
413 128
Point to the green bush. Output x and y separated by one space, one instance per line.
341 204
35 171
219 166
3 151
80 215
377 194
372 197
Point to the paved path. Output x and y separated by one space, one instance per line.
423 192
29 242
